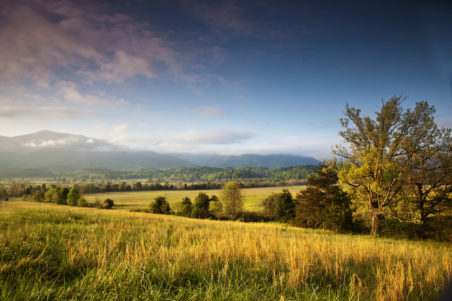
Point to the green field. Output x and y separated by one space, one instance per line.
72 253
252 197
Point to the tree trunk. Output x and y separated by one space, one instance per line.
375 223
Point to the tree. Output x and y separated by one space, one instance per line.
285 206
186 206
3 193
73 196
379 159
231 199
323 204
51 196
201 206
429 169
160 206
215 206
62 195
269 205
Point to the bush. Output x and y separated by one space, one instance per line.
251 217
82 202
108 204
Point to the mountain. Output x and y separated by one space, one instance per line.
57 152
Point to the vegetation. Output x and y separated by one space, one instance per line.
231 199
258 176
59 252
323 204
160 206
399 156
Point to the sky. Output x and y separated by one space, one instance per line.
224 77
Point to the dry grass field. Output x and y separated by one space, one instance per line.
61 252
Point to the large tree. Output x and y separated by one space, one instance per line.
375 158
428 174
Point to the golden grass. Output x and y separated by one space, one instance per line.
252 197
128 249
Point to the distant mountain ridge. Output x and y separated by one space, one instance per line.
57 151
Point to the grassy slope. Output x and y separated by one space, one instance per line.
253 197
61 252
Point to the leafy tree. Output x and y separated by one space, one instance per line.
323 204
186 206
160 206
269 205
62 195
429 169
284 206
73 196
231 199
201 206
374 160
108 204
51 196
3 193
215 206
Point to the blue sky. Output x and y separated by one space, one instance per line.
227 77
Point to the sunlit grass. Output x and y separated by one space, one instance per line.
252 197
63 252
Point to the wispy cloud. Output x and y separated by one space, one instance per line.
14 111
210 111
212 137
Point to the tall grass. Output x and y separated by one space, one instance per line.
75 253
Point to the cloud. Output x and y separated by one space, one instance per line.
15 111
207 111
39 38
68 91
212 137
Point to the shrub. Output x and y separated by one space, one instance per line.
108 204
82 202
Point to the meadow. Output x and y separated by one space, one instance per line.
67 253
252 197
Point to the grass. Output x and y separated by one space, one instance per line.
252 197
61 252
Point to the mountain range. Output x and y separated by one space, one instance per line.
60 151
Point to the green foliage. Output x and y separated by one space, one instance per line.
3 193
284 206
108 204
323 204
215 206
231 199
160 206
62 195
201 206
187 206
82 202
73 196
51 196
269 205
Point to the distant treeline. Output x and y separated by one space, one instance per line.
183 174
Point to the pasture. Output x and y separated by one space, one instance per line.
62 252
252 197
